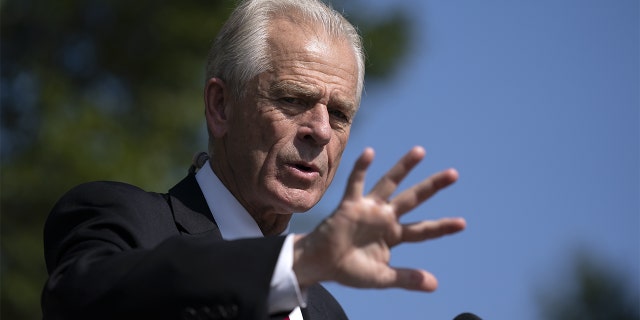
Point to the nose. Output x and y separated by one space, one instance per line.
315 127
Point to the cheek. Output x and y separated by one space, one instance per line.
273 142
341 140
334 152
271 128
255 133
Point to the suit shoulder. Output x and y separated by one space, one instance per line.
110 201
101 189
115 212
109 194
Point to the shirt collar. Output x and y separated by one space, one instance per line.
232 218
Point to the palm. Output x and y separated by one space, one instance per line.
355 241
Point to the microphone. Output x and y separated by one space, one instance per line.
467 316
199 159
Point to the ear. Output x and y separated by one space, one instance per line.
216 102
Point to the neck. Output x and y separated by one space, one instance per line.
269 221
272 224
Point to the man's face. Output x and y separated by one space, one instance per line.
285 137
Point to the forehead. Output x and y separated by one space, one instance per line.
302 52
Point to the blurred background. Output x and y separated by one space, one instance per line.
536 103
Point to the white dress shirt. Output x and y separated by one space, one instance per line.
234 223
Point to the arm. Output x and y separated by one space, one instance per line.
113 252
352 246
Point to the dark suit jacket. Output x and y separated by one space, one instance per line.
114 251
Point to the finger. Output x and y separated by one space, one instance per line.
414 196
355 184
411 279
425 230
390 181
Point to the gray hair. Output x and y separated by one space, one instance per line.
239 52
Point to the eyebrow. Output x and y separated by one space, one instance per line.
308 92
292 88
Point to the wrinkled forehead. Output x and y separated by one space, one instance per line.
291 42
291 26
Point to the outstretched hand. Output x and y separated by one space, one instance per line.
352 246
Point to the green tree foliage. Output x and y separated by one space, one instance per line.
595 291
105 89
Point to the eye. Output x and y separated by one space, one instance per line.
292 100
339 115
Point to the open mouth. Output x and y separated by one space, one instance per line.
303 168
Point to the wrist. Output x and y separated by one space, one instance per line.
306 265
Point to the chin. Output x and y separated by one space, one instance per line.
301 205
296 200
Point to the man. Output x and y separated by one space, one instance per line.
284 85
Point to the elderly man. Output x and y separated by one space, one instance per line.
283 88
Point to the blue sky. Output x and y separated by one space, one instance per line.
536 103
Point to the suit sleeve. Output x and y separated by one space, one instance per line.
114 252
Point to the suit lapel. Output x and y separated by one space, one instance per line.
322 305
193 217
190 210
